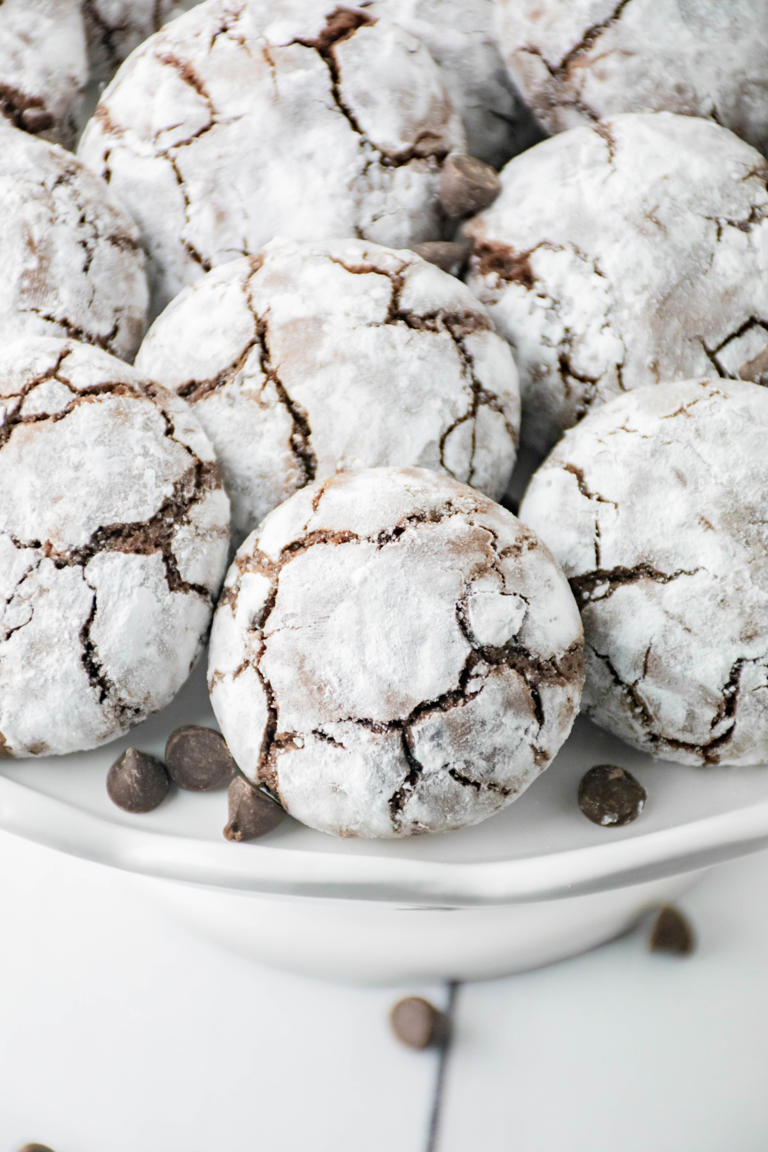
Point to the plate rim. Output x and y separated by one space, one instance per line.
269 871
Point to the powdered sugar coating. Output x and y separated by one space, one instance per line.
113 542
72 265
116 27
460 37
621 255
43 66
338 354
394 653
656 506
240 121
582 61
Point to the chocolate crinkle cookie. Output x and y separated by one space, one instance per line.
656 506
312 357
240 121
583 60
624 254
394 653
113 541
115 27
43 66
72 265
461 38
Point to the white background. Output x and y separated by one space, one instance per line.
122 1032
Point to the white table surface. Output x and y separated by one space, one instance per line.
121 1032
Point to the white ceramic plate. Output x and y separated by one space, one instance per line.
541 847
532 884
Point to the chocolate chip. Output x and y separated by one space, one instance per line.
252 813
467 185
137 782
417 1023
610 795
35 1148
756 369
446 254
36 119
671 932
198 759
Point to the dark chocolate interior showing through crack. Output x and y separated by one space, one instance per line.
674 618
154 535
351 200
74 267
481 659
343 354
301 433
569 290
342 24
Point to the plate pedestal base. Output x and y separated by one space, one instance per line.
379 943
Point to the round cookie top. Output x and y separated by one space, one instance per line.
240 121
656 506
43 66
113 541
337 354
116 27
394 653
582 61
624 254
72 265
461 38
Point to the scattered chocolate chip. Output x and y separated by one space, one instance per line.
610 795
252 813
417 1023
137 782
467 185
756 369
198 759
449 255
36 119
671 932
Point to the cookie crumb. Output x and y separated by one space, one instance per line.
252 813
610 796
198 759
137 782
417 1023
672 933
467 185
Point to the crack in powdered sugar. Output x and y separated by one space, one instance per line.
154 535
480 659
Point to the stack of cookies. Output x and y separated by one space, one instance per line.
312 273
